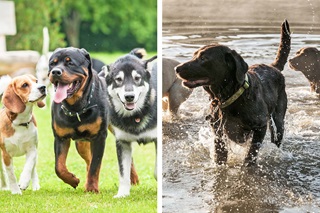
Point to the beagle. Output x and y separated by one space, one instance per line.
18 129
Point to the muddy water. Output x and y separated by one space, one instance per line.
285 179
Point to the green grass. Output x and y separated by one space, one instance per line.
112 57
56 196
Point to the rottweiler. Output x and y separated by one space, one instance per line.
79 112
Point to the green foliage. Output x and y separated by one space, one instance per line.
31 17
99 25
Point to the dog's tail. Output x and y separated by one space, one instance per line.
284 47
46 41
4 82
139 52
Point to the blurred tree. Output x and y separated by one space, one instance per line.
31 17
133 23
136 19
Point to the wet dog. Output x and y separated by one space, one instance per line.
132 92
18 129
307 60
244 99
173 93
79 112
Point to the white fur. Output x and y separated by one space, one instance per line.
118 95
124 181
23 142
42 67
4 82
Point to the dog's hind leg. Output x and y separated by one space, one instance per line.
97 150
133 175
257 140
277 118
35 180
84 151
124 153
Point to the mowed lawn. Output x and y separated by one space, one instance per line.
57 196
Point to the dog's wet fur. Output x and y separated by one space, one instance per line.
307 60
221 71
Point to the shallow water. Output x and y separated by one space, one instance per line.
285 179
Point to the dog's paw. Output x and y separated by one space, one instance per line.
35 186
123 191
121 195
24 184
15 190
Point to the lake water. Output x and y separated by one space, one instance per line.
286 179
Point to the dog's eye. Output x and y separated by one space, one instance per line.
25 85
137 78
52 63
70 63
202 58
118 80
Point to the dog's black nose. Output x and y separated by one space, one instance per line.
129 98
42 89
56 72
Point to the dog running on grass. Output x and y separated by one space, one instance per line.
244 99
79 112
18 129
132 92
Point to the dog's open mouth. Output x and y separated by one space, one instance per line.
129 106
63 91
192 83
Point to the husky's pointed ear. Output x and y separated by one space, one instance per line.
149 60
105 71
87 55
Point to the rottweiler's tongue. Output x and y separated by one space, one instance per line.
61 93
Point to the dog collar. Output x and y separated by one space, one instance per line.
236 95
25 124
84 110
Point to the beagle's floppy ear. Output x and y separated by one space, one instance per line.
235 62
12 101
40 104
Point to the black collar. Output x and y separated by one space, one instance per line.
83 110
25 124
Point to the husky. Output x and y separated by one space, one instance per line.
132 94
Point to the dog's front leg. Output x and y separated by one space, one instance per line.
97 150
28 169
14 187
61 148
124 153
257 139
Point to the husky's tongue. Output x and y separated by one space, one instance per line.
129 106
61 92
